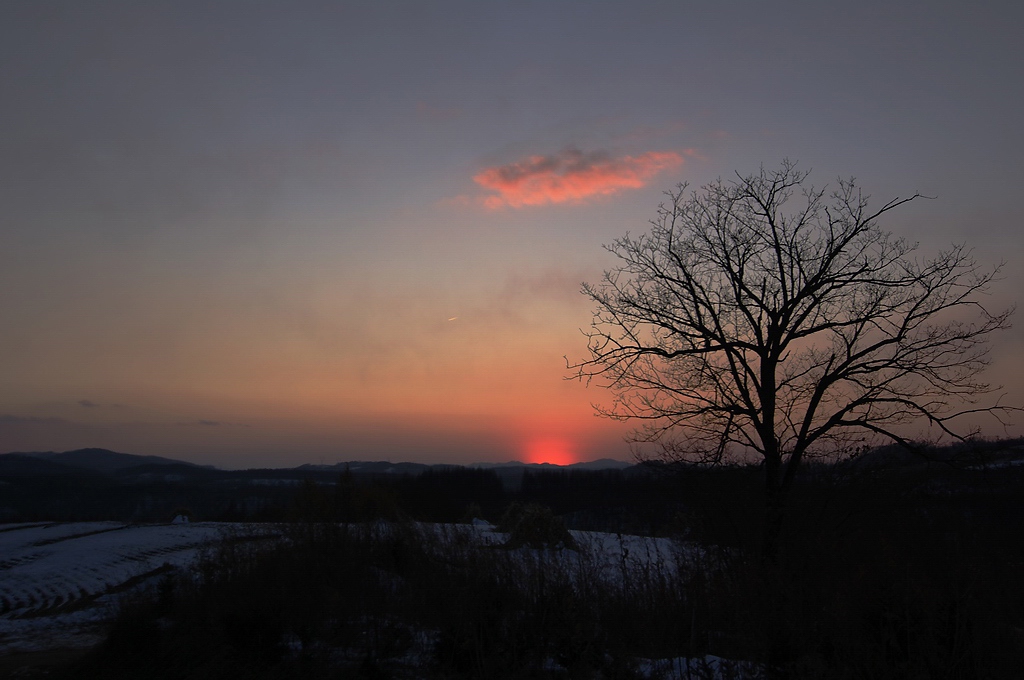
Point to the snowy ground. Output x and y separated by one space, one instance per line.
605 557
59 582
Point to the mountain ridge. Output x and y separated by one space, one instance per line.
107 461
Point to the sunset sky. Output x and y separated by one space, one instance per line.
266 234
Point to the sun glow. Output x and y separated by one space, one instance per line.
550 450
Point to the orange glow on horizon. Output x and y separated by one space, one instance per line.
550 450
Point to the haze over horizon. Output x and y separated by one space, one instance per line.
266 234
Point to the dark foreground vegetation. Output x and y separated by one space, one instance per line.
890 567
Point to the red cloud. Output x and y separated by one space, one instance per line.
570 176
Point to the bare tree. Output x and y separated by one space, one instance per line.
763 316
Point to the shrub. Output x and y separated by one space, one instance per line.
535 526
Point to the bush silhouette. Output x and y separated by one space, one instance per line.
535 526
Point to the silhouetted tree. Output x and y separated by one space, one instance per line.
766 316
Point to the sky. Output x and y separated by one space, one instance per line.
266 234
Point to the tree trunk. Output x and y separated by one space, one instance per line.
776 634
772 529
771 536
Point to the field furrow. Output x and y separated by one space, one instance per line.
58 580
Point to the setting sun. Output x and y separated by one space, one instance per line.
550 450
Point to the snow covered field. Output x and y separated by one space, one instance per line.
59 582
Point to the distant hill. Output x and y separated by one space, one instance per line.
28 465
100 460
600 464
109 462
978 454
375 467
378 467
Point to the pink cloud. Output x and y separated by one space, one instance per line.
570 176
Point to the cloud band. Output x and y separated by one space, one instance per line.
570 176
